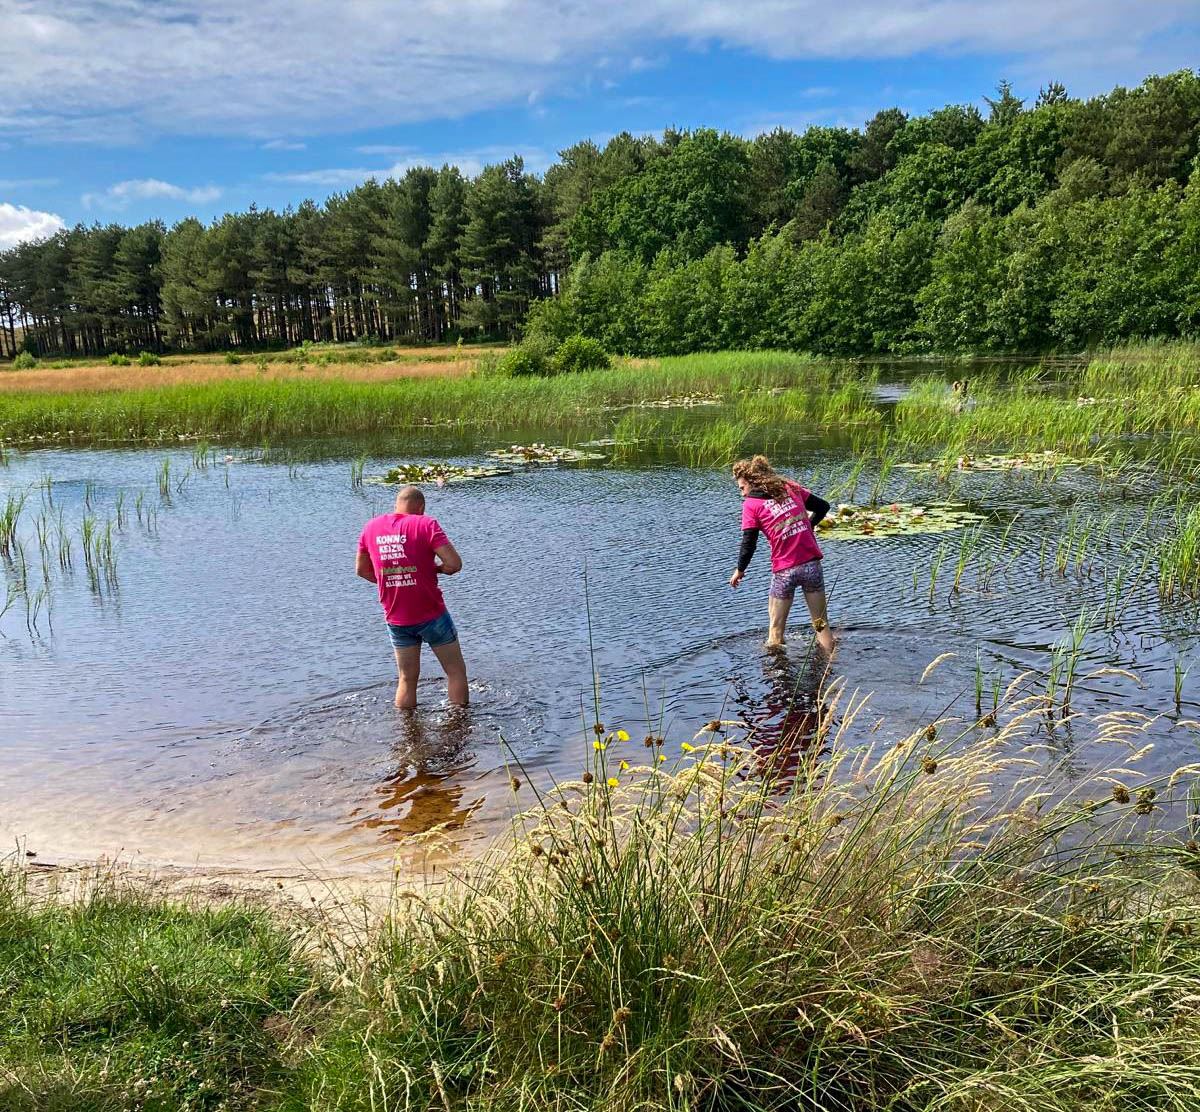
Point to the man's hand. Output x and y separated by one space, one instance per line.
736 578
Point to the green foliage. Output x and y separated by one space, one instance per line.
232 358
148 359
533 357
580 353
24 361
118 360
121 1002
656 245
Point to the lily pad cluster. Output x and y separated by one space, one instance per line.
543 453
896 519
1026 461
439 473
682 401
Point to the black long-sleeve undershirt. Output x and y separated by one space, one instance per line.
814 503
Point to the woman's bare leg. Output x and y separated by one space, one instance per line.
820 619
777 616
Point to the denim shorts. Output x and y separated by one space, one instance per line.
808 576
437 631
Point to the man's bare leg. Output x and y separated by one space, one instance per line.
450 657
777 616
820 619
408 670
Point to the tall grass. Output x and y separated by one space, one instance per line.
889 932
890 929
252 409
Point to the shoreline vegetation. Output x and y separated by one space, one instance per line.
1103 402
955 921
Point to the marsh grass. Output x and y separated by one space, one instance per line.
251 409
889 931
1179 556
946 922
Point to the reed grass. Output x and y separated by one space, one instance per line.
887 932
255 409
1179 556
886 927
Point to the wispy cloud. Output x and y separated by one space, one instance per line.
27 183
18 224
284 145
123 193
88 71
470 162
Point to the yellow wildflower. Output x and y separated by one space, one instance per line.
613 781
622 735
687 747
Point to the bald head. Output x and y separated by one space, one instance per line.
410 500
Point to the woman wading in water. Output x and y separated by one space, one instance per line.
780 507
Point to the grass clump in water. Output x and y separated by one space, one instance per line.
887 934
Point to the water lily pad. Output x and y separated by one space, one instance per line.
848 522
543 453
438 473
1026 461
681 401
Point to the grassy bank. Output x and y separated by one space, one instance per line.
1102 406
890 930
253 409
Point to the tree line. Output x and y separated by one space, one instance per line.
1060 224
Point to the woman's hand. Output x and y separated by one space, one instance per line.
736 578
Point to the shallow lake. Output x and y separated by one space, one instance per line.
227 700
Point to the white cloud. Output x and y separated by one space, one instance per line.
18 224
123 193
284 145
112 70
470 162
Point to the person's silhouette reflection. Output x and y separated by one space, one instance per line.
427 789
785 720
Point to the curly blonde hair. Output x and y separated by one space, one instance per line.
759 473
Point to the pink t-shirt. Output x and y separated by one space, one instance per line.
786 525
401 550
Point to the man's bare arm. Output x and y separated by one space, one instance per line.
451 561
363 567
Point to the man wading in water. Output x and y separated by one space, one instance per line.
779 507
403 553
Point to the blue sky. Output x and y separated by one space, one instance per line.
126 110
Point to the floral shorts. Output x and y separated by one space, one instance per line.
807 576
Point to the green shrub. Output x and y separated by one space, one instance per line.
232 358
148 359
534 356
580 353
118 360
24 361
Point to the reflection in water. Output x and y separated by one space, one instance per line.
786 721
426 792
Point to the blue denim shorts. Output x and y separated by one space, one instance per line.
436 631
